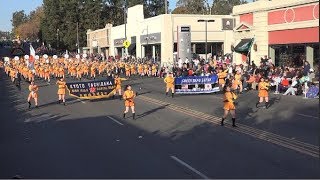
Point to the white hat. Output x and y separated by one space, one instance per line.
311 70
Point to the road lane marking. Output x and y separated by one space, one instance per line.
41 118
81 101
292 144
189 167
113 119
308 116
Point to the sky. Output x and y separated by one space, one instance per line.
7 7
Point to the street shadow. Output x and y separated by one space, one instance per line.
151 111
142 93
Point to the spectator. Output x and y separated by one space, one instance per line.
293 87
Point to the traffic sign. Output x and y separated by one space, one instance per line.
126 43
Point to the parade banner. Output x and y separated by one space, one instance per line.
92 89
196 84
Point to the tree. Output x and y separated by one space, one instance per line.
59 25
224 7
192 6
154 7
18 18
28 26
180 10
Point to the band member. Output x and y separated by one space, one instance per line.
61 91
263 88
221 77
237 81
117 81
169 80
129 96
154 70
33 94
228 100
127 67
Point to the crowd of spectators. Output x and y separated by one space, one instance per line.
287 79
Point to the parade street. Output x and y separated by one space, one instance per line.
178 137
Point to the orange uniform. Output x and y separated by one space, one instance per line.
169 80
128 96
228 101
140 69
117 82
153 69
221 76
263 89
61 87
127 68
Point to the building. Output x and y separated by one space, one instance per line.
160 36
98 41
285 30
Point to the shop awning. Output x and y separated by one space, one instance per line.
132 47
244 46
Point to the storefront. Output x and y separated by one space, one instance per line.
156 37
286 31
294 54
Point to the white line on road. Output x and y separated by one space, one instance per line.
44 117
113 119
81 101
189 167
308 116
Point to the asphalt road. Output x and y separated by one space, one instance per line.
171 138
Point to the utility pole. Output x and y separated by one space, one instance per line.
166 6
125 23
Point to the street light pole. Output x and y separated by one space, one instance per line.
125 23
57 39
206 29
78 48
80 6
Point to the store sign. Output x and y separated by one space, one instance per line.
228 23
150 38
119 42
185 29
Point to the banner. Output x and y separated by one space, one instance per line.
92 89
196 84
